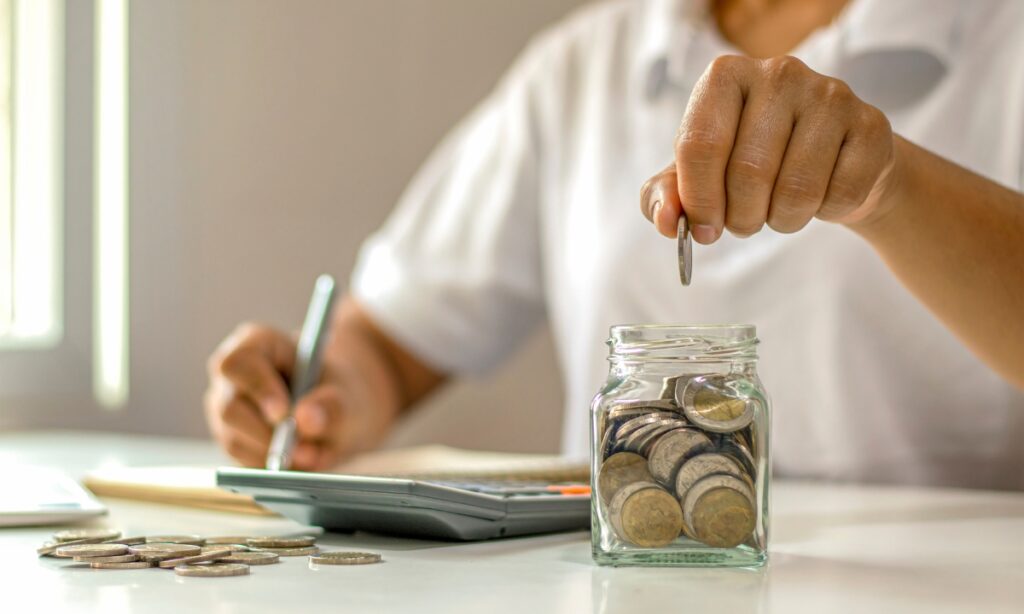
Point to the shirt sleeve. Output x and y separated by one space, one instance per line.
454 275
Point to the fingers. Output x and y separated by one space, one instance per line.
318 413
704 142
659 201
238 425
754 163
804 176
865 155
320 425
771 142
254 360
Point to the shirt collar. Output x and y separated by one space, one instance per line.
670 56
883 25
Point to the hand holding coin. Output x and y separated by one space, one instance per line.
771 142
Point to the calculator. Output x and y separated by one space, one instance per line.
463 509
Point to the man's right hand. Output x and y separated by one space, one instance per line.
248 394
367 380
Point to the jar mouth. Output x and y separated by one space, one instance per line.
732 330
677 342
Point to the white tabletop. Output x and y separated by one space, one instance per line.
833 549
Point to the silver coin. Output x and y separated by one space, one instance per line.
345 558
668 389
645 514
68 535
92 550
202 557
740 452
48 548
162 552
653 404
252 558
227 539
684 250
305 550
673 449
231 547
281 542
607 443
710 402
621 413
129 565
127 541
642 437
191 540
704 486
120 558
703 465
619 470
633 424
219 570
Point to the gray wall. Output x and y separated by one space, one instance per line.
267 139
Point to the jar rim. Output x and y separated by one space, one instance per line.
629 343
751 329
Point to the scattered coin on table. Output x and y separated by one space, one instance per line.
92 550
131 565
157 552
198 558
345 558
304 551
252 558
191 540
190 555
228 539
119 558
222 570
231 547
281 542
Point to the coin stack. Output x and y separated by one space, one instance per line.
682 464
190 555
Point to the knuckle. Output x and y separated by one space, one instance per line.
844 195
784 68
645 191
248 329
751 164
231 363
834 209
234 446
834 92
697 146
797 191
231 411
874 123
724 64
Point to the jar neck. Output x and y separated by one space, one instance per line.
655 348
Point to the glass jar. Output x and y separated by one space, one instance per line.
679 449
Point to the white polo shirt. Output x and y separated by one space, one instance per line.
529 210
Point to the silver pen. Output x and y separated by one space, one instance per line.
307 370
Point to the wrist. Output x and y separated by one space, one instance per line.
890 195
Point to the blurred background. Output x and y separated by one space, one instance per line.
265 140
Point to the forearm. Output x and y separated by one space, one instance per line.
956 241
389 377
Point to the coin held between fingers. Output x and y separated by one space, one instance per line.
684 250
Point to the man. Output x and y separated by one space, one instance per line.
887 283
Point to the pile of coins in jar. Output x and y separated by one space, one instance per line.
682 464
